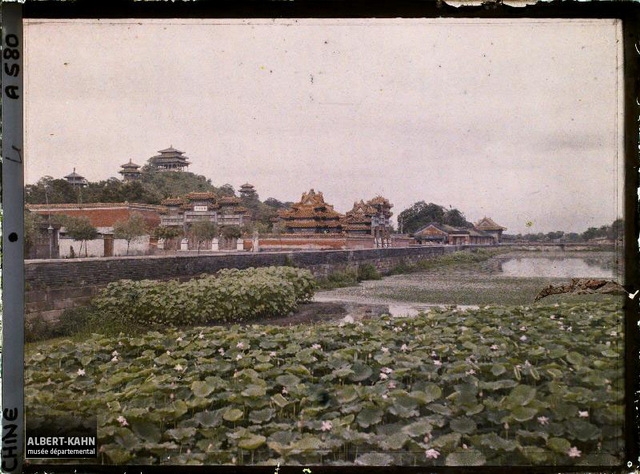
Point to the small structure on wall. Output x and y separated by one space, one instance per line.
312 215
370 218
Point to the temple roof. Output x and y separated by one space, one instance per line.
447 229
200 196
131 165
74 175
171 150
486 223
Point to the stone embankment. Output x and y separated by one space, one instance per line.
53 286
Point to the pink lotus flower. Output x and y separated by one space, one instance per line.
122 420
543 420
583 414
326 426
574 452
80 372
432 453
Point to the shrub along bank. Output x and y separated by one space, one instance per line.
230 295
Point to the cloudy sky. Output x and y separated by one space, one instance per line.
518 120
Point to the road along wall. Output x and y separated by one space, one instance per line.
53 286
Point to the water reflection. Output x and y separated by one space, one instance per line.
558 267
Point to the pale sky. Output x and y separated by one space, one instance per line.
518 120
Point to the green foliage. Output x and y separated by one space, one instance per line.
176 183
454 388
202 231
339 279
79 228
230 296
349 277
367 271
131 229
52 191
421 214
80 323
231 232
167 233
32 222
447 259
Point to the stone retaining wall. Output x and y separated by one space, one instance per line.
55 285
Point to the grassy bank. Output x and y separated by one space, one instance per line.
367 272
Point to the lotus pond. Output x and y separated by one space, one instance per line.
499 385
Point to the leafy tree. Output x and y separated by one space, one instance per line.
419 215
32 222
202 231
131 229
51 191
555 235
167 233
616 231
226 190
80 228
274 203
231 232
172 184
455 218
572 237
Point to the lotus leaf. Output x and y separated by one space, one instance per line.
536 454
374 459
252 441
523 413
279 400
520 396
208 419
181 434
146 430
463 425
261 416
233 414
308 444
447 442
369 416
468 457
559 445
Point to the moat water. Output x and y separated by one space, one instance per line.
505 279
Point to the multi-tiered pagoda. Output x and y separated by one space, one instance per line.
76 180
130 171
170 159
